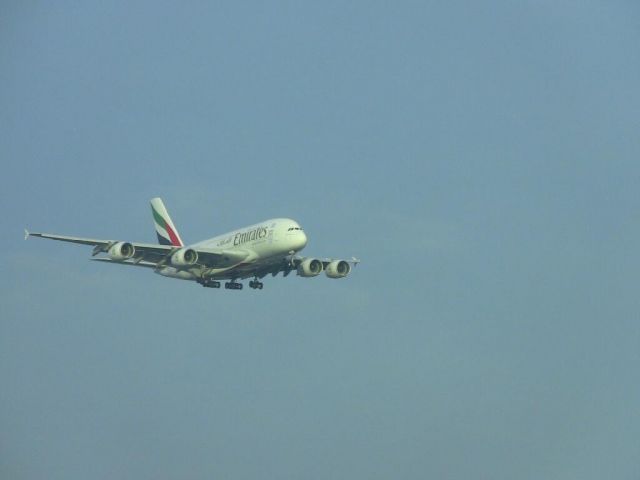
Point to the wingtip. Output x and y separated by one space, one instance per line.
26 234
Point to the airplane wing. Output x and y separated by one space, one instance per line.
292 263
297 260
151 255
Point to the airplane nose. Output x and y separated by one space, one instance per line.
303 239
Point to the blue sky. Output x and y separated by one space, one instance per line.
480 159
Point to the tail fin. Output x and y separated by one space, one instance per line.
165 229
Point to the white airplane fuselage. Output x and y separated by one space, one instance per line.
267 243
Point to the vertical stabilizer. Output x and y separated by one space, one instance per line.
165 229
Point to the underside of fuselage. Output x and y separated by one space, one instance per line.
256 269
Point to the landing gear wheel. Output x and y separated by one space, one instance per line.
255 284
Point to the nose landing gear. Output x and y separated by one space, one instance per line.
255 284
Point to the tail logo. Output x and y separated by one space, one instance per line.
165 230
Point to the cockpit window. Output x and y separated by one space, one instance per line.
293 228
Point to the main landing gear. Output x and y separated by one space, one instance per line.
209 283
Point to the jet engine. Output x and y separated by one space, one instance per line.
121 251
184 257
310 267
338 269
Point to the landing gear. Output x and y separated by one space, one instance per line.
209 283
232 285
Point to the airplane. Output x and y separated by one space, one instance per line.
268 247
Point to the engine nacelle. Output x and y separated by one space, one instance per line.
338 269
310 267
184 257
121 251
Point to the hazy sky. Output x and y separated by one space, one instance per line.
483 160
